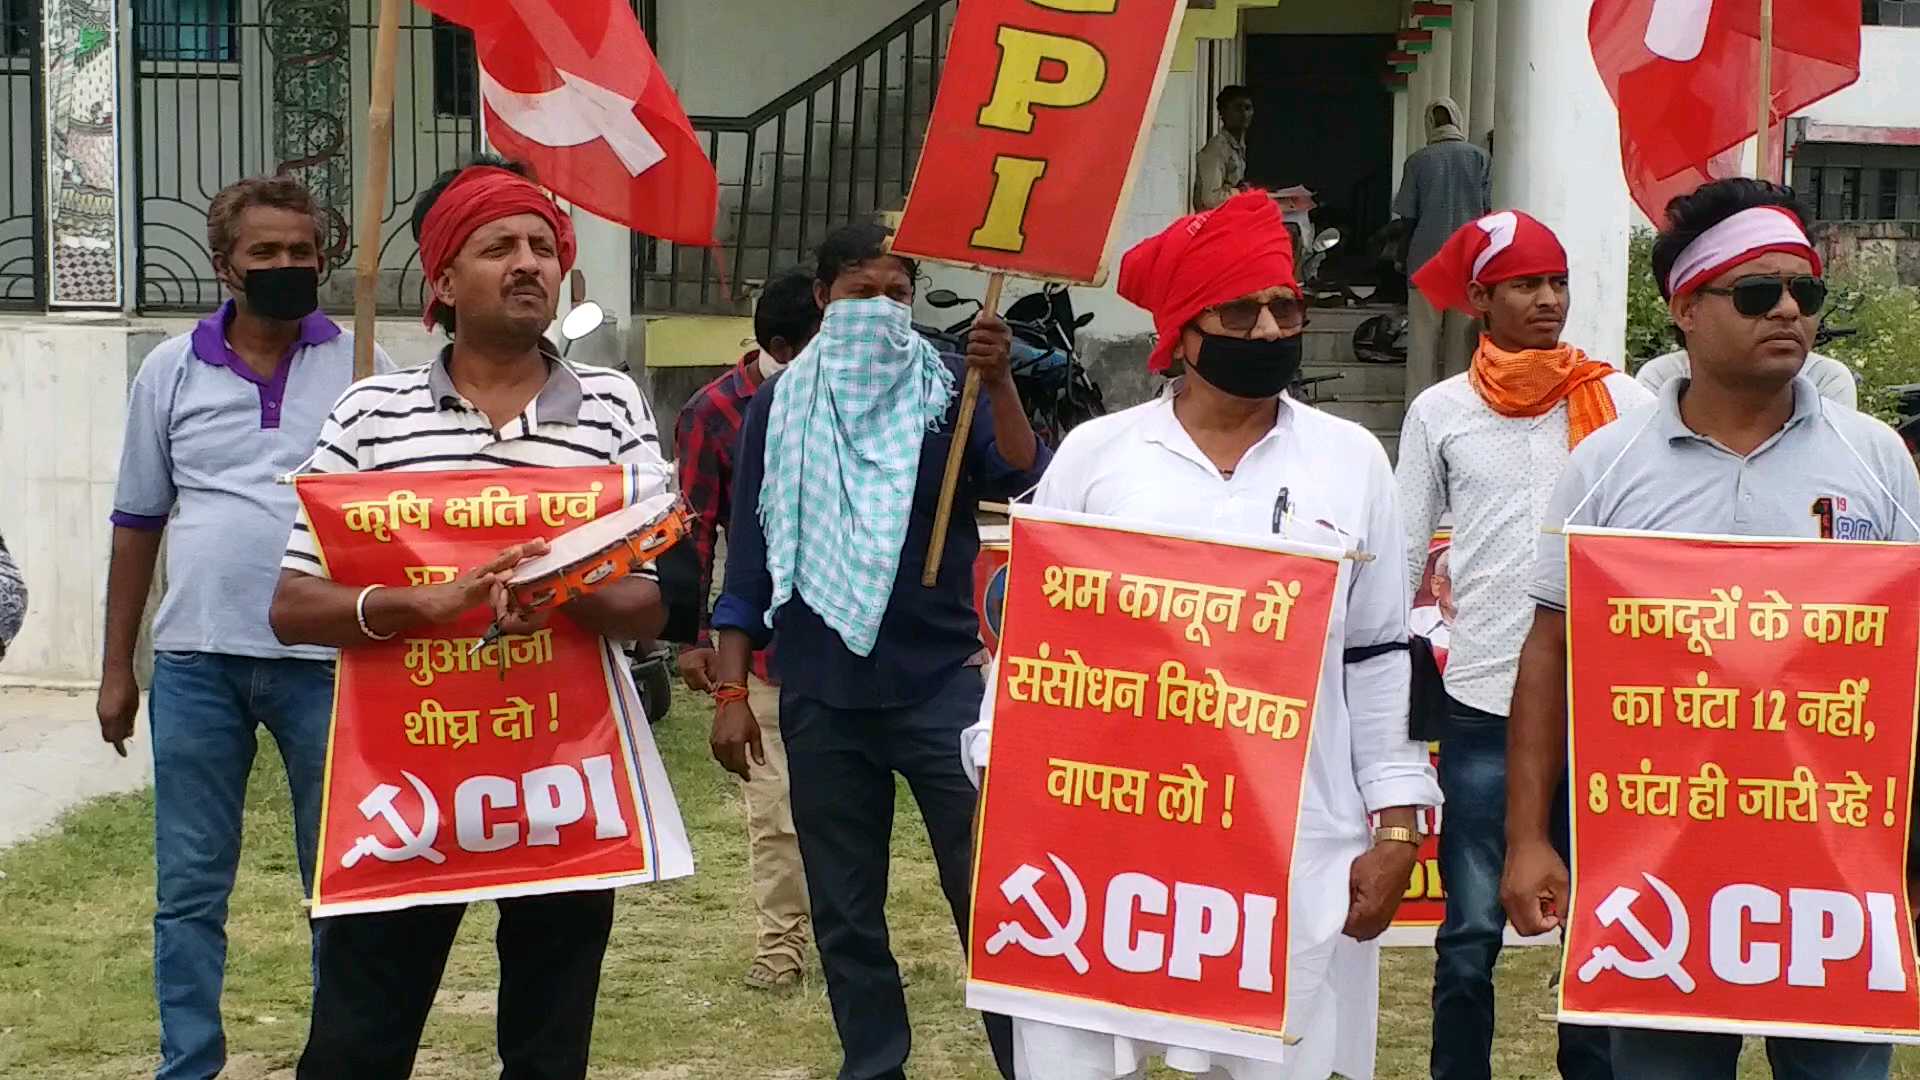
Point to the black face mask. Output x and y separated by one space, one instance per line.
285 293
1248 368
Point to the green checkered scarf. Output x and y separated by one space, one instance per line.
842 459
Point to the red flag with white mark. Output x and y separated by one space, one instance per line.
572 88
1685 76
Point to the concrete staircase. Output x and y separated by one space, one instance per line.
840 147
1371 395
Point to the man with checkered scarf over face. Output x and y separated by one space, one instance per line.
836 482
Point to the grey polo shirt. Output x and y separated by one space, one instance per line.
1830 472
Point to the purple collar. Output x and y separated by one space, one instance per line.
210 345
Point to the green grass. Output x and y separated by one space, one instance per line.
76 947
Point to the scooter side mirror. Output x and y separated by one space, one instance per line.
584 319
1327 240
943 298
1081 322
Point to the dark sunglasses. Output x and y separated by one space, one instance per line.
1755 296
1241 316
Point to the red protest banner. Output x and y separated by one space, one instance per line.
1041 119
1144 785
1742 744
459 770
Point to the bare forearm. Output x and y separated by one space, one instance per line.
1536 730
736 655
129 580
1011 430
628 610
310 610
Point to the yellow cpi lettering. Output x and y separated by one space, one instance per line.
1080 7
1018 87
1005 227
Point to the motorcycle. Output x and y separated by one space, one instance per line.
1381 340
1054 386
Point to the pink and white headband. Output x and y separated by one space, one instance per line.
1742 238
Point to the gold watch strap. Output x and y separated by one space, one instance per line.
1397 834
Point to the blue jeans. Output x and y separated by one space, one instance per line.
1639 1054
203 711
1473 852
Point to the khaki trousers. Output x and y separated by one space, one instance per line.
775 876
1440 344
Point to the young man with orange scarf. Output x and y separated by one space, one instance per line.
1487 446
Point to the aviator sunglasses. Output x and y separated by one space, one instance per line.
1241 316
1757 295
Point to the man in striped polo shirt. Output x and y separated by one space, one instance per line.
495 249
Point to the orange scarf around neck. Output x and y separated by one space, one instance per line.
1532 382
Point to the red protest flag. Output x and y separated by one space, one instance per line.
1685 77
573 88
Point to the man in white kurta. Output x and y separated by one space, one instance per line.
1230 453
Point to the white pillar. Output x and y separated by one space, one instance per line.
1557 156
1462 77
1419 100
606 258
1440 65
1401 99
1486 65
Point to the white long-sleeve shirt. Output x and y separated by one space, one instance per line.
1494 474
1141 465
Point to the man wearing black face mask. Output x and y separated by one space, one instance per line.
1228 452
214 418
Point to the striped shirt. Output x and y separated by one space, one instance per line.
416 420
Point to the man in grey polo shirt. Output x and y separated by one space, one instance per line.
1746 447
213 418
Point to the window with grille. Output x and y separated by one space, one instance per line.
1890 12
16 27
191 30
455 70
1859 182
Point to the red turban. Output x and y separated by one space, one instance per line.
477 196
1499 247
1238 248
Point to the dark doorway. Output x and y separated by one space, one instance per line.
1324 118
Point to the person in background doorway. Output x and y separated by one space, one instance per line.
1487 447
1745 447
836 483
1833 379
1220 170
1447 183
784 321
214 418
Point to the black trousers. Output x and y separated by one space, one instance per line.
378 974
841 765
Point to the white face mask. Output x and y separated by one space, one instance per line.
769 367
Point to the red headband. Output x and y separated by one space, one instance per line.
477 196
1241 247
1496 248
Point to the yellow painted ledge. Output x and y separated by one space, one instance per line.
1214 23
696 340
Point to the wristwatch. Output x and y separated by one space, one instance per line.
1396 833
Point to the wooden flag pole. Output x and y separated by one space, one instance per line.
957 454
373 197
1763 160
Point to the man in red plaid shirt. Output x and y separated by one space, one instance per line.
783 321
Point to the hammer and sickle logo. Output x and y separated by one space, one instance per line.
1021 887
413 845
1660 961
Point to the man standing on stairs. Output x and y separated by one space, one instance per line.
1447 184
1488 446
1220 170
784 320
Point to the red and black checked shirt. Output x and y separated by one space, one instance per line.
705 435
